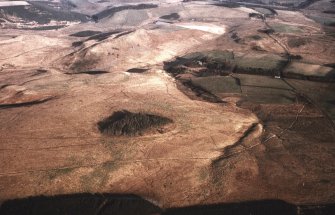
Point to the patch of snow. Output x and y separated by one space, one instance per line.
207 27
13 3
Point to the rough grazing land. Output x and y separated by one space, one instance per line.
166 107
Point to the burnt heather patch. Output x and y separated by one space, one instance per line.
172 16
297 42
87 33
111 11
137 70
95 36
25 104
125 123
89 72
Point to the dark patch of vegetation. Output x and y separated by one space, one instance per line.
95 18
330 77
256 15
83 63
103 36
197 92
216 63
215 69
39 72
273 12
96 36
90 72
330 65
61 15
297 42
41 13
137 70
122 34
259 71
68 5
24 104
329 11
255 37
53 174
77 43
208 69
87 33
235 37
172 16
45 28
4 86
95 72
227 4
184 69
80 204
257 48
295 57
131 124
219 64
241 143
177 66
266 30
306 4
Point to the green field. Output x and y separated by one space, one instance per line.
218 84
262 81
265 90
262 64
286 29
